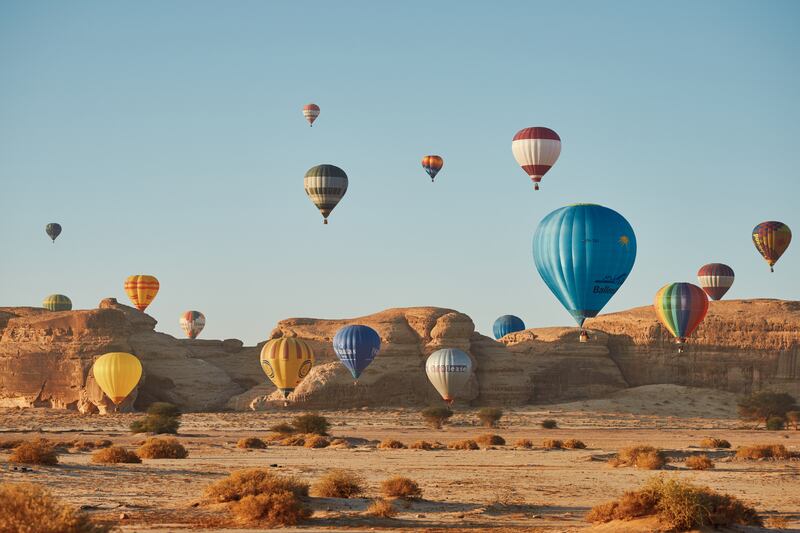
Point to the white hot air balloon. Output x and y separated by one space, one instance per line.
449 371
536 150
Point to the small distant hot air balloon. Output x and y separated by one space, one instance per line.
192 323
715 279
356 346
53 230
681 307
117 374
432 165
286 361
311 112
772 239
507 324
325 185
57 302
536 151
141 289
449 370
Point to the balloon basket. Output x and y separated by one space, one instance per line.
325 221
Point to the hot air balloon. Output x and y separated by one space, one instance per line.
325 185
286 361
117 374
449 370
507 324
536 150
681 307
311 112
356 346
141 289
53 230
57 302
584 253
715 279
192 323
432 165
772 239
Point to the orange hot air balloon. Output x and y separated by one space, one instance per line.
772 238
141 289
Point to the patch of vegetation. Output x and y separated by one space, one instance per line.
251 443
114 455
524 443
490 439
283 429
436 417
490 416
763 405
35 452
311 423
30 508
164 409
763 451
776 423
316 441
552 444
253 482
641 456
155 448
401 487
574 444
339 483
10 444
156 424
710 442
699 462
382 508
341 443
391 444
466 444
549 424
293 440
793 418
272 509
423 445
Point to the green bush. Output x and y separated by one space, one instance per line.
763 405
311 423
549 424
156 424
775 423
164 409
436 417
490 416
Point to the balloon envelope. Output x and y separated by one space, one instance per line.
536 151
57 302
432 165
584 253
117 374
771 239
449 371
507 324
325 185
715 279
192 323
681 307
141 289
53 230
311 112
356 346
286 361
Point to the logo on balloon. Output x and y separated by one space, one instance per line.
267 368
305 368
624 241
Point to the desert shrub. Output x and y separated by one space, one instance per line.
155 448
763 451
552 444
252 482
490 416
251 443
793 418
114 455
401 487
391 444
466 444
10 444
763 405
776 423
382 508
489 439
34 452
340 443
646 457
710 442
87 444
549 424
316 441
293 440
574 444
311 423
421 445
699 462
163 409
436 417
339 484
32 509
524 443
283 428
157 424
273 509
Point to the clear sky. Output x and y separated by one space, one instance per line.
167 138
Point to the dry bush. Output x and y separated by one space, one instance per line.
251 443
710 442
574 444
316 441
524 443
86 444
293 440
252 482
466 444
311 423
340 443
114 455
436 417
391 444
549 424
425 445
274 509
155 448
29 508
283 428
762 451
339 483
640 456
490 416
34 452
699 462
10 444
382 508
793 418
552 444
401 487
489 439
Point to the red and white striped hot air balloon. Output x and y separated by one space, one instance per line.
715 279
311 112
536 150
192 323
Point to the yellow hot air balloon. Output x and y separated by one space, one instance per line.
117 374
141 289
286 361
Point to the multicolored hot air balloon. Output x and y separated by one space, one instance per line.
536 151
715 279
772 239
57 302
507 324
356 346
192 323
286 361
681 307
432 165
117 374
325 185
449 370
584 253
311 112
141 289
53 230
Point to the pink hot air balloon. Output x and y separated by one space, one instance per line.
536 150
311 112
715 279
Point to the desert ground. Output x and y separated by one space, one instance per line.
502 488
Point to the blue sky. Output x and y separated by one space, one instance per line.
167 138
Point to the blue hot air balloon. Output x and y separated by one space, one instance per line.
584 253
507 324
356 346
